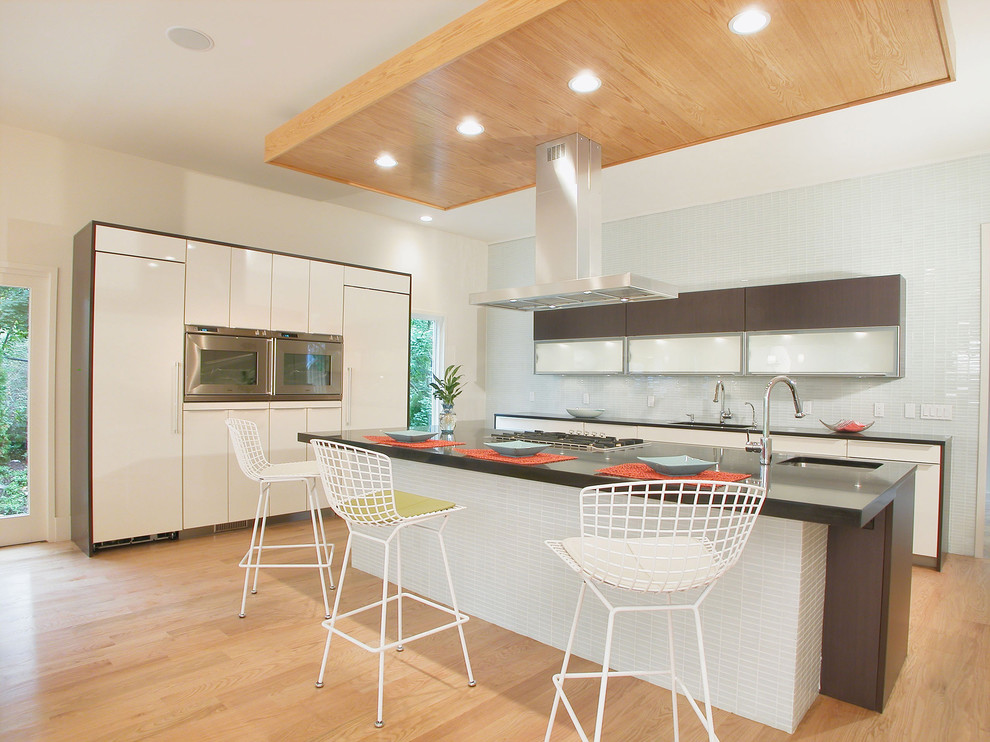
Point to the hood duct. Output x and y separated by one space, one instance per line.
569 237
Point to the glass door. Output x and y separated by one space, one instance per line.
24 428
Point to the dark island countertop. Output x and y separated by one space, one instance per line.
819 491
871 434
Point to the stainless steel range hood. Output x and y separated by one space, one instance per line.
569 237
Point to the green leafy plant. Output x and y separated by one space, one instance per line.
447 389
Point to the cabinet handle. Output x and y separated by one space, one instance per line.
350 387
179 387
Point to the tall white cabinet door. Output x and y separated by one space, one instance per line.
250 288
376 359
290 294
326 298
207 284
321 420
204 467
286 424
242 493
136 411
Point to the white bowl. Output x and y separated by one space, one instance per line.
674 465
518 448
585 412
409 436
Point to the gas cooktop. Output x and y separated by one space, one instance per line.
579 441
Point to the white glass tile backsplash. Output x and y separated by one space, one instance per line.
923 223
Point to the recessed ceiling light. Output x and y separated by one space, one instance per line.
749 21
470 127
189 38
385 160
584 82
426 218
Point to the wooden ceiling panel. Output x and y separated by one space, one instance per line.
673 76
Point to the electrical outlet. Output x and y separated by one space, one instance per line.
909 410
809 406
650 400
532 396
878 409
586 399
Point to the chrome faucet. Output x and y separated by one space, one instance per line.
753 410
724 412
763 445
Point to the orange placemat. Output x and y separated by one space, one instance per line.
642 471
538 458
389 441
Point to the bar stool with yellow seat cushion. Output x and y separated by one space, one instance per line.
655 537
358 484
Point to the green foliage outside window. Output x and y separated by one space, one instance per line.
421 344
13 399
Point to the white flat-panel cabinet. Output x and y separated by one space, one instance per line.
140 244
322 420
376 359
284 447
326 298
204 467
290 294
250 288
136 448
207 284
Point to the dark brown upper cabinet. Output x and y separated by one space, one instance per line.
608 321
874 301
690 313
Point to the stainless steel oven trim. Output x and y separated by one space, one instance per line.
207 338
334 391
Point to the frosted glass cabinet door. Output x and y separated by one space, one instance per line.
136 385
376 359
207 284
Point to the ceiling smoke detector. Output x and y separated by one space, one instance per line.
189 38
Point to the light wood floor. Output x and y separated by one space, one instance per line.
144 642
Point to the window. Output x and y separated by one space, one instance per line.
425 360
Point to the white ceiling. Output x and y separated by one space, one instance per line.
104 73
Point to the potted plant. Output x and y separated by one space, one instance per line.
446 390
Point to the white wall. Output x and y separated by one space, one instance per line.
50 188
923 223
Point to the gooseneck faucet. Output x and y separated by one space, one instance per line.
763 446
724 412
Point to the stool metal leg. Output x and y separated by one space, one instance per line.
320 546
558 680
266 496
327 553
600 716
380 722
334 613
710 725
398 582
249 557
453 602
673 671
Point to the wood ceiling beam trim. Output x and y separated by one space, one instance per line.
462 36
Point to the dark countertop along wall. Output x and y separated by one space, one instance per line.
835 495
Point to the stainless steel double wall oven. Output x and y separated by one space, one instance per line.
236 365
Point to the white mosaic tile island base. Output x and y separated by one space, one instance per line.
762 622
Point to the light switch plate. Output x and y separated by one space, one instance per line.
909 410
586 399
878 409
532 396
650 400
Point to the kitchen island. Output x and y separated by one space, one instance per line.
821 593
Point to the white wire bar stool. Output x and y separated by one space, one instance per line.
251 458
358 484
655 537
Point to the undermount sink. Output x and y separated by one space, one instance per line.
806 461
